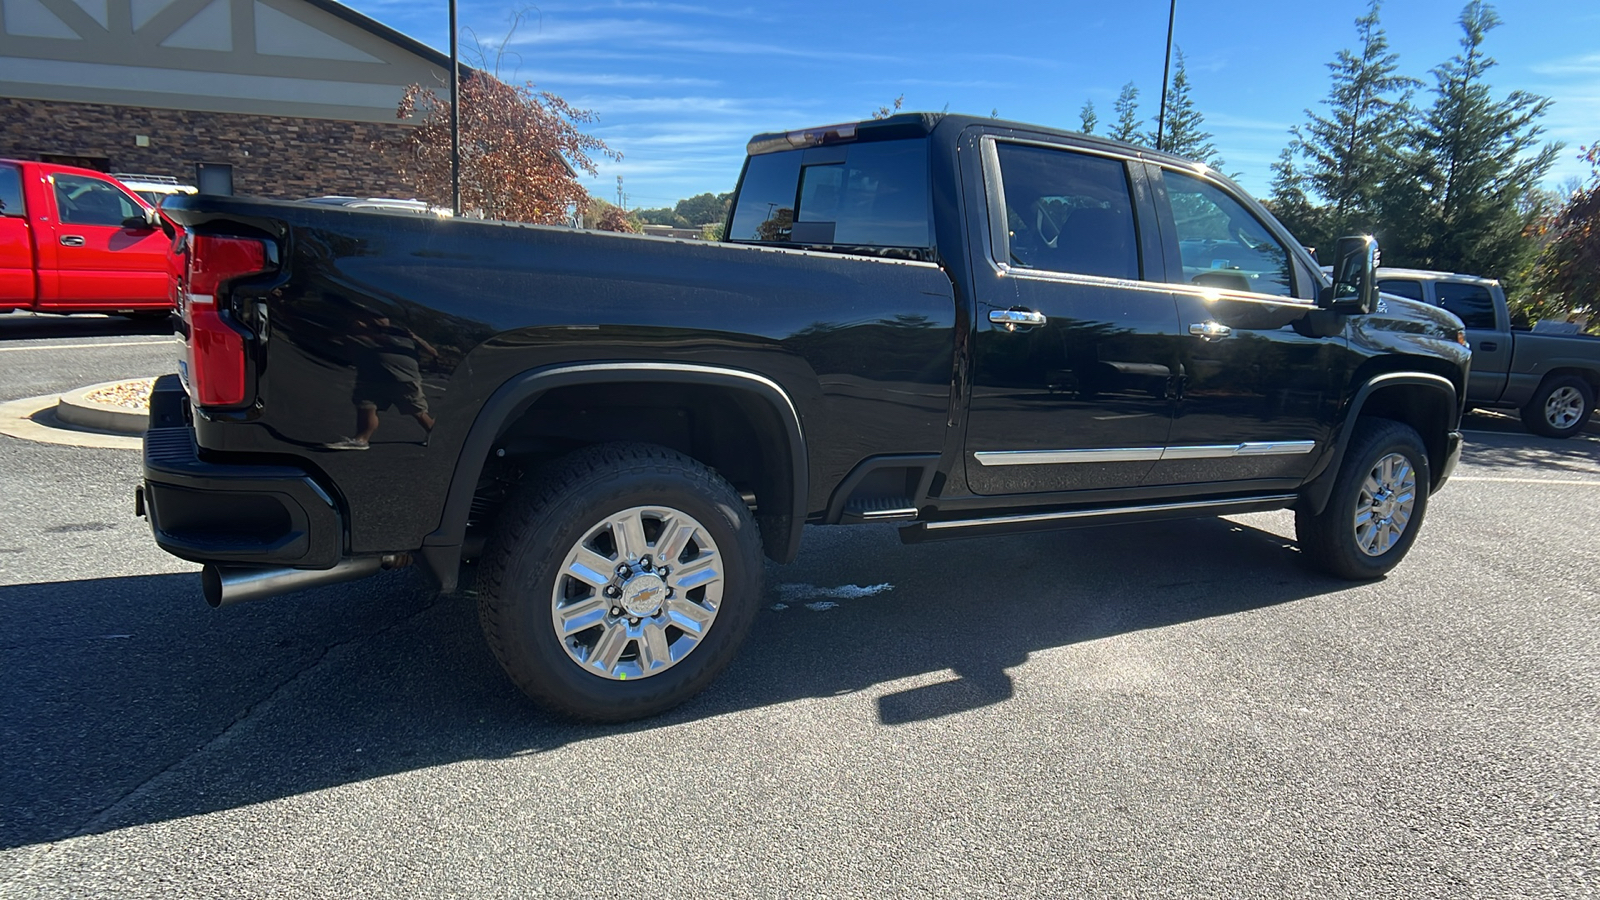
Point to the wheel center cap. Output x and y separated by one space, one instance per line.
643 593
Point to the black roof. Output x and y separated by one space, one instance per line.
920 124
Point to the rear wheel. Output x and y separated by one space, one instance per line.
621 583
1559 408
1379 497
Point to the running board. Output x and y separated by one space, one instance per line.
1079 518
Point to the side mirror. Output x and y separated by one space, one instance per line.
145 221
1355 276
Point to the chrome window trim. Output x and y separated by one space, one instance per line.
1143 454
1118 511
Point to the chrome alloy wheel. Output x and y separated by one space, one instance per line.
1388 498
637 593
1564 407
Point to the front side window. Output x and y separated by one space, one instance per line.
90 201
1411 290
1222 244
1067 212
872 194
1471 303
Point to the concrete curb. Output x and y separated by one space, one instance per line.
75 408
34 419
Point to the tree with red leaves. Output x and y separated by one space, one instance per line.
521 150
1566 279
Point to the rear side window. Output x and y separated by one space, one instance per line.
1408 289
1067 212
1471 303
90 201
11 191
852 195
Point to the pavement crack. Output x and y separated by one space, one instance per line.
228 734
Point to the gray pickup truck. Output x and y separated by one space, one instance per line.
1551 379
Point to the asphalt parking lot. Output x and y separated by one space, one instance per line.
1176 710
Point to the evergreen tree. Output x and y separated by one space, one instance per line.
1182 134
1128 121
1087 118
1474 160
1289 202
1354 149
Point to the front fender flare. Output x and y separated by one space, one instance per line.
1315 493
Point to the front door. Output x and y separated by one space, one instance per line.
100 262
1258 391
1073 356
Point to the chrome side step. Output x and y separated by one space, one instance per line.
1073 518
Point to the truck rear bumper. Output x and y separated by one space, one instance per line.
255 515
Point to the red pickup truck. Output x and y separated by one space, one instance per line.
75 240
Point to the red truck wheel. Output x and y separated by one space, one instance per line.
621 583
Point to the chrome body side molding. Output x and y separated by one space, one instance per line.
1142 454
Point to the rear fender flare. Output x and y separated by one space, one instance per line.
441 550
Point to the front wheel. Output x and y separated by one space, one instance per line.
1559 408
1379 497
621 583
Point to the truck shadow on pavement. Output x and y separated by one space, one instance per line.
128 702
25 327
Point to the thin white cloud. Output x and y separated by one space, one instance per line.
1573 65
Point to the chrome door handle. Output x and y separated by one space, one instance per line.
1210 331
1013 318
71 240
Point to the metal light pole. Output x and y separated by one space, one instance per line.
455 115
1161 116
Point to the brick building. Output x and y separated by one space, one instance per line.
272 98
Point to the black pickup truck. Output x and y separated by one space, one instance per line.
964 325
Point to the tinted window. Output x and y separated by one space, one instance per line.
1471 303
1410 289
90 201
1223 245
876 197
10 191
1067 212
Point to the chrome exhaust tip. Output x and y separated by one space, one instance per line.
227 585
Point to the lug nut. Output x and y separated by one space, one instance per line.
644 561
634 620
622 569
611 590
616 611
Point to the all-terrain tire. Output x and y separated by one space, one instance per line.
1559 408
1334 541
568 503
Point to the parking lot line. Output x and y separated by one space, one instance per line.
1592 482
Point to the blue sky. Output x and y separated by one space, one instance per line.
679 87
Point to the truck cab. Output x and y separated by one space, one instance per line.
75 241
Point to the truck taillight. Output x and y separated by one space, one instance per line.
216 352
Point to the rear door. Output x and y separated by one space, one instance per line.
1073 353
100 263
17 284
